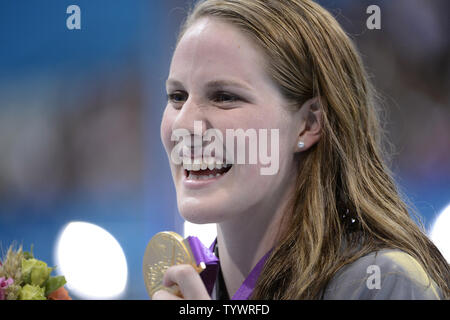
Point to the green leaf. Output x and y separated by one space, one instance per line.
30 292
26 272
54 283
35 272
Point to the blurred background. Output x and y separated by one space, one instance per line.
81 161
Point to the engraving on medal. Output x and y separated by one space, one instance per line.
164 250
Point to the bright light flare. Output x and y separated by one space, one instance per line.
92 261
440 233
206 233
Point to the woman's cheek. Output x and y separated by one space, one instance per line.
166 129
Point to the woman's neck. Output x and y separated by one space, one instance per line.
244 241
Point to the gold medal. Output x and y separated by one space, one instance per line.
164 250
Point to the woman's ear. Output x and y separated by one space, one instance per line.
311 124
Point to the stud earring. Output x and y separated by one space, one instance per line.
301 144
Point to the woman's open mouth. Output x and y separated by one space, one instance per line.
200 172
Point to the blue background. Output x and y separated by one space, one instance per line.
52 80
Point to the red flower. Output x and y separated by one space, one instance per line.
59 294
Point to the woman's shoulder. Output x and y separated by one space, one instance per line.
384 274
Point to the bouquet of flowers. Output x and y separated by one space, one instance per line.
22 277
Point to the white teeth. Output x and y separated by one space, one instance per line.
195 176
219 166
199 164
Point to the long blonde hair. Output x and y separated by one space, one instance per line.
344 175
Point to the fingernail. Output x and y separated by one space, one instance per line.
155 295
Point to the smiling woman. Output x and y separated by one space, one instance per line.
332 210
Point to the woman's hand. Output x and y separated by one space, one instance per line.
187 279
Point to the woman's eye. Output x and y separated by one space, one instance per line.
223 97
176 97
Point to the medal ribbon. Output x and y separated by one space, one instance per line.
246 289
209 275
207 256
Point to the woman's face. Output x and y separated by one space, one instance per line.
217 77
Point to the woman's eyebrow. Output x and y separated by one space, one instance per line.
227 83
214 84
173 82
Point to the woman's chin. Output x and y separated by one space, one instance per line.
201 214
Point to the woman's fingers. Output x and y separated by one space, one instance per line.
188 280
164 295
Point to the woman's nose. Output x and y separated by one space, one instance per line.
191 118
